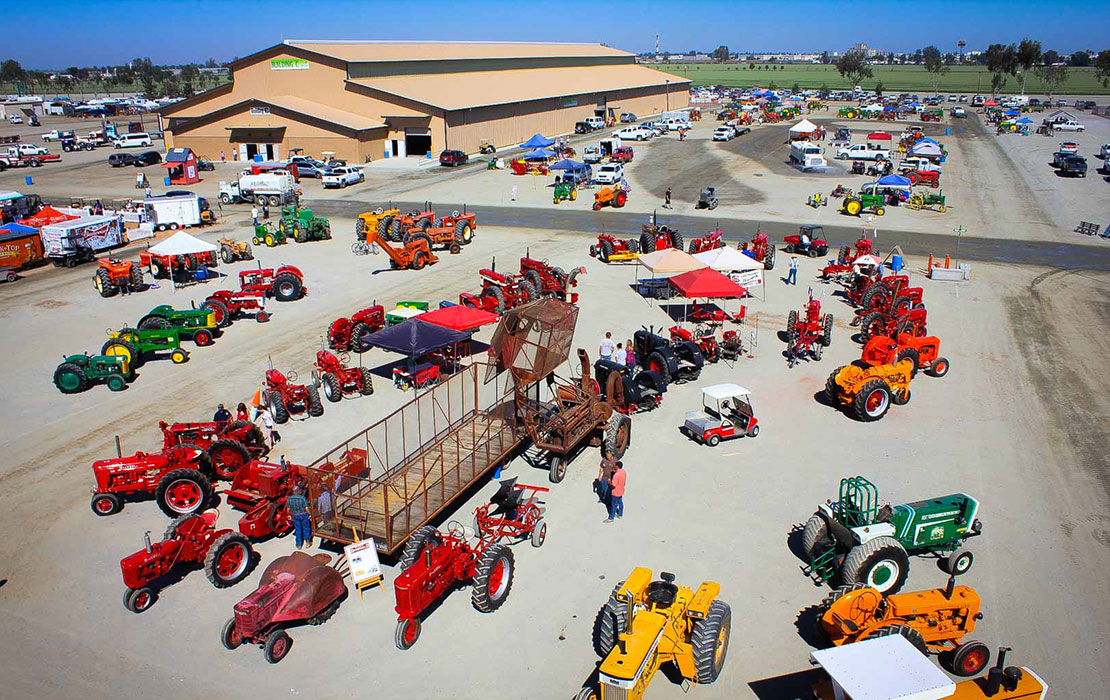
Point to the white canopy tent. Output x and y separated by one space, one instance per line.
670 261
740 268
803 127
182 243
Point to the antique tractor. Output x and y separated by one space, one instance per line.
269 235
854 206
610 197
860 541
924 178
923 351
760 249
226 306
628 390
868 392
711 241
259 490
465 224
890 293
934 621
163 266
198 324
112 273
807 333
229 445
190 541
434 563
564 191
679 361
726 413
180 478
703 337
653 238
77 372
338 380
410 222
294 589
928 200
284 398
346 334
902 316
302 225
232 250
846 257
647 623
514 512
416 254
441 237
134 345
501 292
286 283
378 221
707 199
611 249
810 241
550 280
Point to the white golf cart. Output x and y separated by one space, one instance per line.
726 413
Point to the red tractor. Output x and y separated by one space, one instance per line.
190 541
465 224
229 445
227 306
808 334
930 178
609 248
500 292
294 589
411 222
760 249
284 397
703 337
845 258
434 563
285 283
654 237
514 512
346 334
179 477
923 351
260 490
890 322
550 281
339 380
810 241
710 241
892 289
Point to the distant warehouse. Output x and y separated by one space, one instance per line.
362 99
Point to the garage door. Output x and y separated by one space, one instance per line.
418 142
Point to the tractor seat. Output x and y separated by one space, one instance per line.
884 514
662 593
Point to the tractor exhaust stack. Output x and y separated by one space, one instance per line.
146 540
119 452
994 676
950 587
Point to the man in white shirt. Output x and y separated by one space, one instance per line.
607 347
618 356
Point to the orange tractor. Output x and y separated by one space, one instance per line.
112 274
611 197
923 351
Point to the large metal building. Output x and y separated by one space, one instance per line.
365 100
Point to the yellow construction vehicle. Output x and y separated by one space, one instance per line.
647 623
377 221
869 391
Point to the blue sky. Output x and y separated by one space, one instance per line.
99 33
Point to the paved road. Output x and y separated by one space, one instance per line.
1018 252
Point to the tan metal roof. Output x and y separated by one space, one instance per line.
453 91
324 112
361 51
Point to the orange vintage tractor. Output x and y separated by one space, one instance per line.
415 254
113 273
610 196
923 351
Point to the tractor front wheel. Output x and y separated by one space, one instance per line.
873 401
229 560
116 382
881 563
539 533
331 388
106 504
709 640
494 578
618 435
939 367
966 660
202 338
315 408
230 636
408 631
139 600
277 646
958 563
179 356
816 529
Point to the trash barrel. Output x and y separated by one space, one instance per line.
28 180
947 131
166 181
896 263
257 157
387 153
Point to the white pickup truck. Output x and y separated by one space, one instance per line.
1067 125
863 151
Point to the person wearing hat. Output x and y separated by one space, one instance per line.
297 505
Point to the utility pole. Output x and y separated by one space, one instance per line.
959 231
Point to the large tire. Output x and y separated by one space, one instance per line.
966 660
902 303
315 407
383 226
816 529
832 389
396 231
287 287
912 636
647 243
873 401
826 603
556 467
658 364
228 257
913 356
676 240
791 327
608 624
528 292
279 412
939 368
605 251
70 379
876 296
709 639
463 232
872 324
494 579
419 237
419 260
253 439
277 646
183 491
769 258
160 323
103 283
332 392
230 637
122 348
426 536
881 563
367 381
826 330
229 560
618 436
853 206
357 343
534 279
136 277
228 457
219 310
300 233
498 296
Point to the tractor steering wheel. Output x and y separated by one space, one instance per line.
344 357
291 375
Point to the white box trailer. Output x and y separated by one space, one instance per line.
274 188
173 212
71 242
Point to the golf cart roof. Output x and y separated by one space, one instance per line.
884 668
724 391
811 227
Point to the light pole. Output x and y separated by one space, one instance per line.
959 231
668 98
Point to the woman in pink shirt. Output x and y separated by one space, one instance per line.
629 355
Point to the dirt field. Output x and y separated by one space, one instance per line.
1018 423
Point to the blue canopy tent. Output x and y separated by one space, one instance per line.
414 337
1012 113
14 228
568 164
1024 120
539 153
893 181
538 141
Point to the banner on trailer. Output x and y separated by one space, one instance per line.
747 278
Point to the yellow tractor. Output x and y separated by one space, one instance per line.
647 623
869 391
378 221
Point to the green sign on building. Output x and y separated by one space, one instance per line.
288 64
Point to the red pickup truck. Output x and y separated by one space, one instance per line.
621 155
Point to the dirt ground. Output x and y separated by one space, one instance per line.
1018 423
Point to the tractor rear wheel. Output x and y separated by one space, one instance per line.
136 276
383 226
277 406
608 624
182 492
647 243
769 258
331 388
357 343
160 323
658 363
408 631
911 635
315 408
534 279
826 603
872 324
826 330
618 435
873 401
277 646
117 347
229 560
966 660
396 231
230 637
605 251
300 233
70 379
709 640
876 296
832 389
367 376
102 280
226 254
494 579
220 313
912 355
939 367
676 240
228 457
881 563
463 232
287 287
106 504
902 303
498 297
424 537
791 326
853 206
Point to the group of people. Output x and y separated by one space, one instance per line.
620 353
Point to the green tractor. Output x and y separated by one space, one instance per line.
853 206
77 372
303 225
265 234
199 325
848 113
565 190
134 345
863 542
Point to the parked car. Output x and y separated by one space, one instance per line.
32 149
1104 152
633 133
595 122
1061 103
609 174
723 133
959 113
1084 104
1068 125
343 176
627 117
1069 148
582 128
134 140
308 167
1073 165
657 128
15 119
118 160
624 154
453 158
963 98
147 158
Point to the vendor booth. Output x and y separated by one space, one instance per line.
181 166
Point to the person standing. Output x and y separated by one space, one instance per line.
616 492
667 199
604 473
223 157
222 416
265 211
254 215
629 354
147 191
607 347
241 412
297 505
268 426
792 276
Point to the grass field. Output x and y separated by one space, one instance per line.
961 79
87 89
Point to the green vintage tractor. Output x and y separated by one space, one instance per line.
77 372
860 541
199 325
565 190
134 345
265 234
303 225
853 206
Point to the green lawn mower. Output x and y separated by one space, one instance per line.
77 372
303 225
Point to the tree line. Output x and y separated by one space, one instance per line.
152 80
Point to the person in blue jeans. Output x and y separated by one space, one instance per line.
297 505
792 276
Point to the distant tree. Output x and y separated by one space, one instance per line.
150 87
879 88
751 65
1080 59
1000 60
210 63
10 71
190 74
918 56
1102 67
934 64
1028 55
720 54
795 89
890 59
1052 77
824 89
772 85
1049 57
853 66
949 59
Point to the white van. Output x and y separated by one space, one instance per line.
595 122
676 123
134 140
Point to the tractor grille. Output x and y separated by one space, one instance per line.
253 613
612 692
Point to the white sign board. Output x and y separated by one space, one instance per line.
747 278
362 560
259 111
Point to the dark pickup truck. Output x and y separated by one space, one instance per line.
1073 165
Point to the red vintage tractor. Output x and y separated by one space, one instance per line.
760 249
881 293
515 512
259 490
346 334
338 380
180 478
889 322
500 292
805 336
434 563
930 178
710 241
294 589
550 281
190 541
703 337
286 283
846 257
229 445
924 351
227 306
608 248
285 398
654 237
464 223
411 222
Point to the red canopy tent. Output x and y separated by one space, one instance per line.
878 136
708 284
990 103
46 216
460 318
